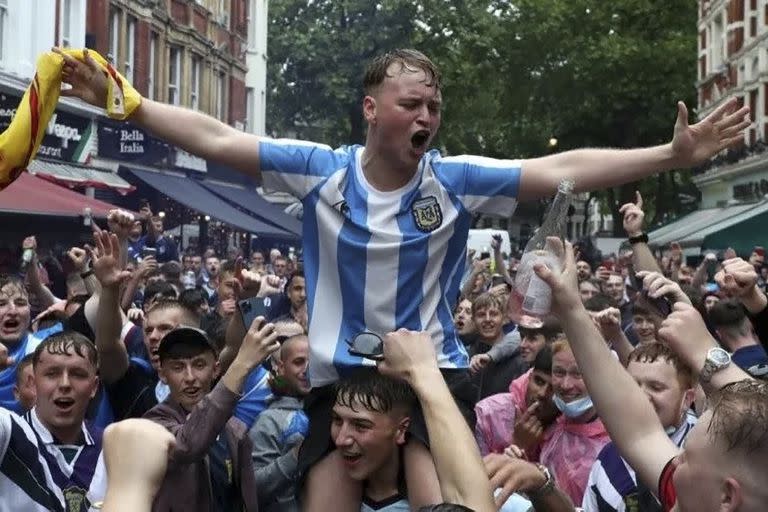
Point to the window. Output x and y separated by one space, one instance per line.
65 27
152 79
3 28
252 24
221 97
174 75
114 35
130 52
250 122
194 89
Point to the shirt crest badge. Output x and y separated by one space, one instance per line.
427 214
76 499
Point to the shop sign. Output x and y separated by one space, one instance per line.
751 191
65 134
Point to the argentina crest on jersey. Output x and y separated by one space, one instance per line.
427 214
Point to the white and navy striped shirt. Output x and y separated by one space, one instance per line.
384 260
25 480
612 484
78 470
37 475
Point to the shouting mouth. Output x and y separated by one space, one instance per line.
419 139
350 459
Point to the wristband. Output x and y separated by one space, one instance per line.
87 273
639 239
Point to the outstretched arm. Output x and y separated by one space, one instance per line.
193 131
593 169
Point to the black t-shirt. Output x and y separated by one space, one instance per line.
134 394
225 493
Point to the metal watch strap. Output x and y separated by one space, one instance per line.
546 487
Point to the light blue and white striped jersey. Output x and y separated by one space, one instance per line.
384 260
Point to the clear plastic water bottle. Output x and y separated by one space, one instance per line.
531 299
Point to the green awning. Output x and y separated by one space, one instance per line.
740 226
742 232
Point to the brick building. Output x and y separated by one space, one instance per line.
732 62
183 52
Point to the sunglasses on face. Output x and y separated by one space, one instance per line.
368 345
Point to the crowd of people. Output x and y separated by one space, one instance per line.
384 370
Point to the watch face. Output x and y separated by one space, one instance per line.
719 356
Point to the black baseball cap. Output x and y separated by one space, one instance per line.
189 336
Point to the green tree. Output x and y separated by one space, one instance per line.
515 74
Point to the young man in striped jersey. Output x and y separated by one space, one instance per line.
668 383
53 443
386 224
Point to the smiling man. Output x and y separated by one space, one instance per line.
488 317
210 465
368 426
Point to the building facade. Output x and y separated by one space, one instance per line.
182 52
733 61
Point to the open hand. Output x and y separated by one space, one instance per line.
723 128
106 260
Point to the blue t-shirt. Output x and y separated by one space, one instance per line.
27 346
753 360
380 261
257 394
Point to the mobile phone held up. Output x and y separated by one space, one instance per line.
148 251
250 309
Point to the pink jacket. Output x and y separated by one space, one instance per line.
570 451
496 416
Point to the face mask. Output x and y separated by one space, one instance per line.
573 409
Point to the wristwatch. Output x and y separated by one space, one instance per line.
717 359
639 239
546 487
86 273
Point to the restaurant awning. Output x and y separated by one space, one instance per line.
34 196
256 205
191 194
738 226
72 175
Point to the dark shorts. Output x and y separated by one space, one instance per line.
318 406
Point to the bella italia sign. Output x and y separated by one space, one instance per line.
124 141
